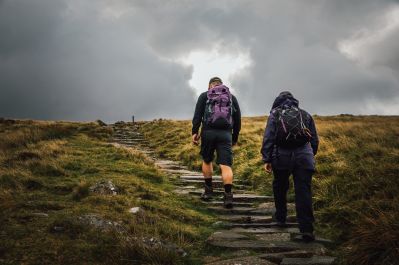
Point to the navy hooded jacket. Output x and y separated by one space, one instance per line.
269 139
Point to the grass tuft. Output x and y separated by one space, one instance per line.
81 190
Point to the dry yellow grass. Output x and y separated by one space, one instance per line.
356 187
46 170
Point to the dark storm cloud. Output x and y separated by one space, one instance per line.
65 60
294 46
110 59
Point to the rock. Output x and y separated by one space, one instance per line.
167 164
259 225
58 229
182 191
278 257
200 183
155 242
198 176
120 123
241 210
134 210
266 246
250 260
315 260
101 123
270 205
226 235
40 214
104 187
246 218
326 242
219 203
100 223
179 171
265 230
252 198
8 121
218 224
279 237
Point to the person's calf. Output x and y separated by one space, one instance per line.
227 174
207 169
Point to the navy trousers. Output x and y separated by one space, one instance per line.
300 163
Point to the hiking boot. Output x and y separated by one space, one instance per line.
308 237
207 194
228 200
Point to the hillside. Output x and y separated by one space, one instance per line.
68 195
355 188
65 195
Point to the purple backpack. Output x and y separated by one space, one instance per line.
219 108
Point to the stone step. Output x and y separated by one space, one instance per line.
262 230
296 237
182 172
246 218
147 152
238 197
127 137
226 235
248 260
130 144
251 218
290 206
278 257
173 167
130 140
167 164
219 194
268 247
242 204
315 260
274 237
241 210
259 225
198 176
215 184
232 235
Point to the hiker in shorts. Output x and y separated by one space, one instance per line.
290 143
219 113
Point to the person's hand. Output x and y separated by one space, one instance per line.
268 167
196 138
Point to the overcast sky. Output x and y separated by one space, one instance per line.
104 59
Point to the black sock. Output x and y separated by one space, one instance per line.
208 182
227 188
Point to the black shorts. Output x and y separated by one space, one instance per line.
219 140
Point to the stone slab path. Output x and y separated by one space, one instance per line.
247 233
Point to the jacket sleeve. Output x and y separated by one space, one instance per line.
314 141
199 113
269 138
236 120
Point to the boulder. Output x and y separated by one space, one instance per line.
104 187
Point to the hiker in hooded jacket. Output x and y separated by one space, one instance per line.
290 143
218 112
